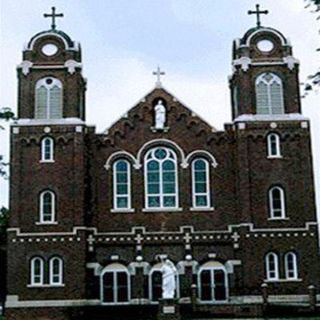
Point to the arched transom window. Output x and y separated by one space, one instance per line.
291 266
47 207
48 100
269 94
200 184
274 150
272 266
37 271
277 203
56 271
47 149
161 187
121 185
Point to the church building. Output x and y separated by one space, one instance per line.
93 215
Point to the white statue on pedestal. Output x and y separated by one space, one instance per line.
160 115
169 274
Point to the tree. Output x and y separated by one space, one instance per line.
5 114
313 80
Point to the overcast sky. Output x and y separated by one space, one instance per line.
123 41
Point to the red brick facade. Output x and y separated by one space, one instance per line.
234 233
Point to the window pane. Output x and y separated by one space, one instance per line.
205 283
160 153
55 103
169 176
153 188
168 165
201 201
41 100
169 201
153 165
122 166
122 177
201 187
122 202
168 188
200 165
122 188
153 202
153 177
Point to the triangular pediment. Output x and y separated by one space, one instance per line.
143 114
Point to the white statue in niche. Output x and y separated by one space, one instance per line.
160 115
169 274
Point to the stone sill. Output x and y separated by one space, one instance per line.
46 161
274 157
122 210
39 223
282 280
278 219
46 285
202 209
161 209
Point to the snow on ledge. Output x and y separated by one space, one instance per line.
267 117
47 122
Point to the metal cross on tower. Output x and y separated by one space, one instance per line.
258 13
158 73
53 15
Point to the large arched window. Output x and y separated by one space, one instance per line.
212 282
161 181
291 266
36 271
273 143
121 185
48 99
272 266
47 207
269 94
56 271
277 203
115 284
47 149
200 184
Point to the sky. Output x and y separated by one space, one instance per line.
123 41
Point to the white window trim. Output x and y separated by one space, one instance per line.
295 266
43 151
53 212
51 274
206 194
282 199
158 267
211 269
112 270
42 83
161 194
276 79
115 195
32 270
268 270
269 144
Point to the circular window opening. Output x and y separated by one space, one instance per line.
49 81
265 45
49 49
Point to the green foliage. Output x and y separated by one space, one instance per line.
5 114
4 221
313 81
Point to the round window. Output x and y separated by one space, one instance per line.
265 45
49 49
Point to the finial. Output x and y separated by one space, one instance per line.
53 15
158 73
258 13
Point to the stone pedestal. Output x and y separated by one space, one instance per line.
168 310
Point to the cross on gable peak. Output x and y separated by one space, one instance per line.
53 16
258 12
158 73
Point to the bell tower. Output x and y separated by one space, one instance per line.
51 85
265 73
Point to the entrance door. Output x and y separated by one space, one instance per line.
212 285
